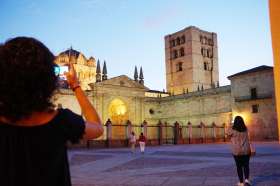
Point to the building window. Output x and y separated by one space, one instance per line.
175 54
204 52
201 39
210 54
209 41
182 52
205 40
255 108
254 93
177 41
205 65
183 39
179 67
173 43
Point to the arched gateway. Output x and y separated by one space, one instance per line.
118 113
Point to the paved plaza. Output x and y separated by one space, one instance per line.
172 165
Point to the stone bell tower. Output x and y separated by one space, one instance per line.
191 59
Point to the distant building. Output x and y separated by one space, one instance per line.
191 59
85 68
253 97
194 95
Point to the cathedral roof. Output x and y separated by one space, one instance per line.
256 69
72 51
123 81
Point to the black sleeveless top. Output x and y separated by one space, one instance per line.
37 155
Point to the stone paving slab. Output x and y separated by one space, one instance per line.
180 165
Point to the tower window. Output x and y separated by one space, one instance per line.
205 66
210 54
177 41
254 93
210 41
175 54
204 53
183 39
173 42
182 52
255 108
205 40
179 67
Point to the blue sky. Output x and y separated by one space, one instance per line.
126 33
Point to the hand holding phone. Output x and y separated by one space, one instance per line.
60 72
71 76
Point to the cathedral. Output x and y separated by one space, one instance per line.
193 95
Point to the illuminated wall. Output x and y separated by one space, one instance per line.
252 97
208 106
274 6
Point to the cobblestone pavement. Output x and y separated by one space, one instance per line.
170 165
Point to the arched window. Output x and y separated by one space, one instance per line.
177 41
204 53
205 65
179 67
182 51
209 41
173 43
205 40
175 54
210 54
201 51
183 39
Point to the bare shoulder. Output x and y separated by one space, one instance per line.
38 118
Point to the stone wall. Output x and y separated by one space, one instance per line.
262 124
208 106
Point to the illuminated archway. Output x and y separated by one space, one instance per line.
118 111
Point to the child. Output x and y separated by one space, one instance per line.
142 142
132 141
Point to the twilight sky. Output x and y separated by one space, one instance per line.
126 33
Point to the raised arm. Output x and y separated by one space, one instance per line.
94 126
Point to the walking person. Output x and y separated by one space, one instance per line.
132 141
33 133
142 142
241 150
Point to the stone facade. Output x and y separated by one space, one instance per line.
127 102
253 98
191 59
85 68
208 107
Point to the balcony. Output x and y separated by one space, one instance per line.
253 98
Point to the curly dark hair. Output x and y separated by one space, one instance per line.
27 78
239 124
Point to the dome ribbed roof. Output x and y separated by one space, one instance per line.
72 51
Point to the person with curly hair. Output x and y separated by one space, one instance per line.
33 134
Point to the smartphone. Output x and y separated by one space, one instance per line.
59 71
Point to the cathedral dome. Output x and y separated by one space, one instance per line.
73 52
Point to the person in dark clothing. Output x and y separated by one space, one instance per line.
33 134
